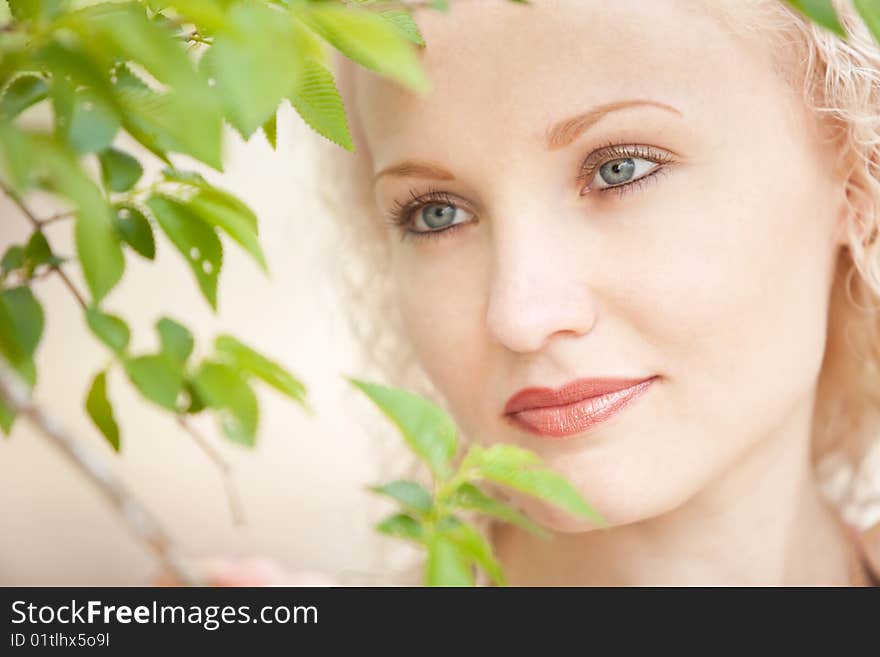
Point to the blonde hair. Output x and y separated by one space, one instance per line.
840 81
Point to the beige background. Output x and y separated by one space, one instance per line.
302 487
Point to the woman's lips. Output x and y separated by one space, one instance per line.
575 407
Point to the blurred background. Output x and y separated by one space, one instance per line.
302 487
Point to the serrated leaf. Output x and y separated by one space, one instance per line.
22 92
157 378
222 387
197 242
177 342
252 362
254 63
509 467
109 329
426 428
470 498
100 410
367 39
410 494
233 218
135 230
400 19
446 565
401 525
473 546
869 10
119 170
821 12
318 102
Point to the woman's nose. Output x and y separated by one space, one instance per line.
539 287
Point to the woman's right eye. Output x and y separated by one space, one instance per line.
435 217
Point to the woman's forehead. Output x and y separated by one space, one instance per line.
500 68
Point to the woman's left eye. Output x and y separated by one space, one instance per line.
622 171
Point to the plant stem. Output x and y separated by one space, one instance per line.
139 520
235 506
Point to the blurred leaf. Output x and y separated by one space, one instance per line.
196 241
428 431
509 467
157 378
119 171
401 525
13 258
821 12
24 91
234 218
367 39
100 410
469 497
38 252
270 129
869 10
109 329
222 387
254 63
177 341
446 565
135 230
473 545
318 102
400 19
93 124
27 317
250 361
410 494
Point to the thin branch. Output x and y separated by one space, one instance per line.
139 520
235 506
38 225
56 217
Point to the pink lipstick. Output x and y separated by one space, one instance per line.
573 408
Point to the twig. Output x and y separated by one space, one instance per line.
139 520
38 225
235 505
56 217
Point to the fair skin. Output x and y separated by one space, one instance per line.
714 274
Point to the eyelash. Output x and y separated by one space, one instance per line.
399 215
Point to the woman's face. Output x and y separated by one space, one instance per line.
616 190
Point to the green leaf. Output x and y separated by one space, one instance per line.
13 259
250 361
157 378
177 341
254 63
197 241
410 494
270 129
368 39
119 171
99 409
318 102
37 251
428 431
469 497
821 12
401 525
135 230
869 10
27 318
509 467
446 565
99 251
472 545
400 19
22 92
109 329
222 387
231 216
93 124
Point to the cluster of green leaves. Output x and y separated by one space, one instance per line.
823 13
432 518
168 74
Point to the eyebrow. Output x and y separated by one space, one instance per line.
558 136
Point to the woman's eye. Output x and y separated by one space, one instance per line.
437 216
621 171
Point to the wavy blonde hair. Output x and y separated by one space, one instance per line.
840 83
